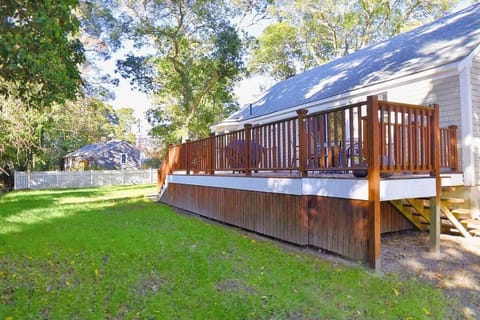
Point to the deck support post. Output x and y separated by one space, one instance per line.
435 201
373 151
211 154
246 155
302 142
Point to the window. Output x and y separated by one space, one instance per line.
124 158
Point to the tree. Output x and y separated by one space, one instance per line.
326 30
192 59
124 124
20 131
100 40
280 47
39 51
196 57
38 139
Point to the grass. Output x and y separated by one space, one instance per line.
110 253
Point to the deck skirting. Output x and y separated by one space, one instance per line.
335 224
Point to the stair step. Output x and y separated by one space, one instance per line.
471 223
449 189
475 232
461 213
452 231
453 200
447 223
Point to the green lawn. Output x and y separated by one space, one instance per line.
111 253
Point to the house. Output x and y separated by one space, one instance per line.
111 155
329 159
435 63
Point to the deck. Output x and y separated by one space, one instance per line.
318 179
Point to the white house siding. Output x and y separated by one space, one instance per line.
443 90
475 81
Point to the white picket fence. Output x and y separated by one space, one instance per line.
82 179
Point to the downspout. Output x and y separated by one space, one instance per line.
466 115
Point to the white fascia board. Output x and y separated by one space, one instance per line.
291 186
452 179
327 187
396 189
356 189
337 188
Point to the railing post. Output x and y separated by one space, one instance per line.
453 148
373 160
187 156
302 142
435 201
211 154
246 154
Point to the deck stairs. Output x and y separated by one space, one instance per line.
456 218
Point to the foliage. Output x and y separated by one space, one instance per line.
72 126
39 53
20 132
310 32
280 48
125 124
194 60
32 138
108 253
97 21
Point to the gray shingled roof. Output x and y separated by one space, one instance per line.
447 40
92 150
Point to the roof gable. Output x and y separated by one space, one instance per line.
444 41
93 150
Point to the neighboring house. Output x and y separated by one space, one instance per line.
111 155
435 63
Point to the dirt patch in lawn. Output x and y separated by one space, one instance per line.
456 269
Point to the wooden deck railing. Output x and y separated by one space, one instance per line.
448 148
331 141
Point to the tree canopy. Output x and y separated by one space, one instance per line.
195 57
38 139
309 32
39 51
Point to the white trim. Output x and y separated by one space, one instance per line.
468 60
393 189
467 124
291 186
337 188
452 179
345 188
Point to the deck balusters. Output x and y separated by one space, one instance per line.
330 141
